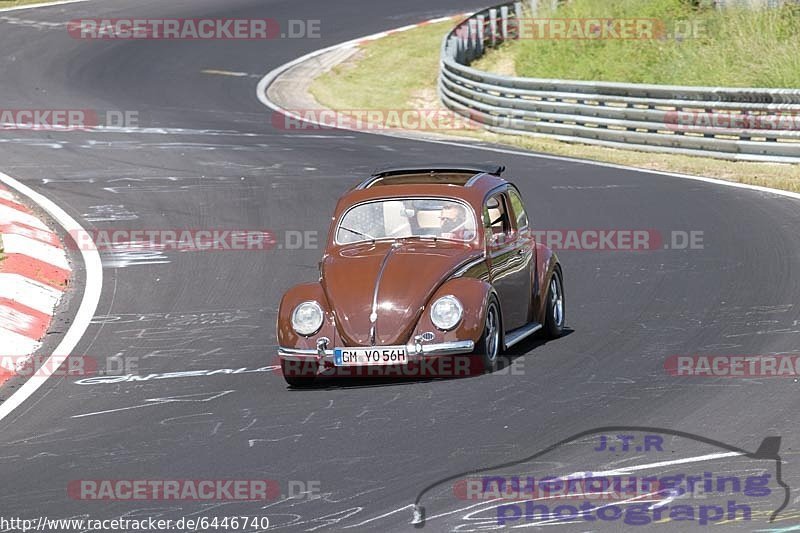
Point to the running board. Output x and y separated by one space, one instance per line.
515 336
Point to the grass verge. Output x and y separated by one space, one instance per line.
681 44
15 3
400 72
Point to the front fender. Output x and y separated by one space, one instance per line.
474 295
287 337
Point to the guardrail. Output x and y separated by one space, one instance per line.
726 123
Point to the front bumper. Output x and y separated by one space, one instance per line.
415 351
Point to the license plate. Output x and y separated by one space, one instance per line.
381 355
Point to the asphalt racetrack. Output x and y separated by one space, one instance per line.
205 155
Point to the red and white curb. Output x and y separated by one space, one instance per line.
34 273
91 288
381 35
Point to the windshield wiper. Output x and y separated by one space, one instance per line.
370 237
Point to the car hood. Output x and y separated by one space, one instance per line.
405 275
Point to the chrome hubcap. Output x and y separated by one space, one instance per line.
557 300
492 333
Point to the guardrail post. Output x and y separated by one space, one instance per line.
504 22
493 25
473 37
481 26
461 51
534 8
514 24
451 48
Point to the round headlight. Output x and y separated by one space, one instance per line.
307 318
446 312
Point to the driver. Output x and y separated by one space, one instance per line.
452 220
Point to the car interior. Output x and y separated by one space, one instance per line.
496 219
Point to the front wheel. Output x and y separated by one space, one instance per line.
488 346
554 314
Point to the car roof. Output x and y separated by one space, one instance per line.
470 183
455 174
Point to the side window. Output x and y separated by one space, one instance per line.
519 210
496 219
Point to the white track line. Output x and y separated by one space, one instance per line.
269 78
91 294
46 4
697 459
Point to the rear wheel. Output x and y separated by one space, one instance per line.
299 374
554 313
488 346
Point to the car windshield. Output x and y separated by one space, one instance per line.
407 217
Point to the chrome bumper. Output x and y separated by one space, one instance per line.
416 350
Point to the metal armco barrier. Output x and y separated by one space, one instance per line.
727 123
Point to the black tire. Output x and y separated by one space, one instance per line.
299 374
554 310
489 346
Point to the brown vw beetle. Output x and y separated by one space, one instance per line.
422 263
